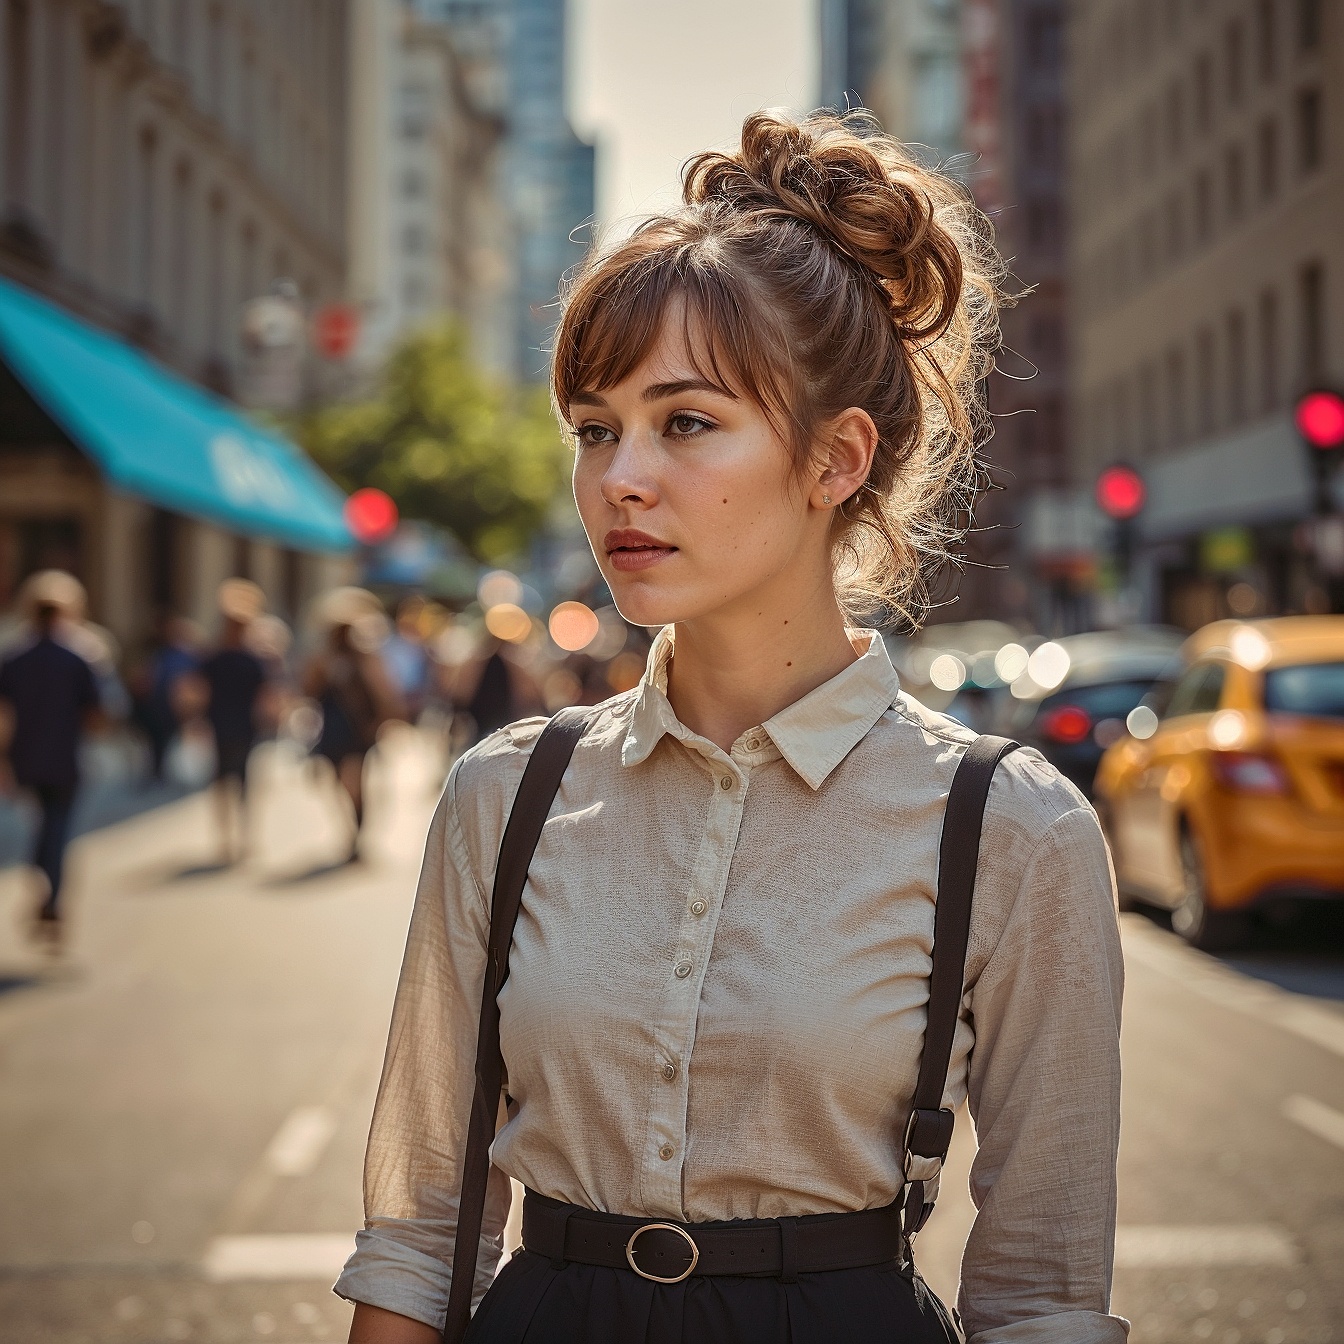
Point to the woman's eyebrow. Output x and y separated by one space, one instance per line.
657 391
587 399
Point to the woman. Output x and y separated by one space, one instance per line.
718 983
356 695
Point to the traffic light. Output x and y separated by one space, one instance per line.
1121 495
1319 417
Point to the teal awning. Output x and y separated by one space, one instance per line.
162 438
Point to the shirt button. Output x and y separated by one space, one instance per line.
669 1071
682 969
726 783
753 743
698 907
666 1152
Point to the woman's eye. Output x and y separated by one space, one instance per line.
685 425
588 435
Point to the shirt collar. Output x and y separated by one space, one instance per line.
813 734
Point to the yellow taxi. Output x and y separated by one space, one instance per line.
1232 794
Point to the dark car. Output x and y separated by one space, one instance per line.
1111 672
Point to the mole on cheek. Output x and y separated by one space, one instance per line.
725 501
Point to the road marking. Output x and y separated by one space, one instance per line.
1323 1121
1220 984
291 1256
1171 1247
299 1143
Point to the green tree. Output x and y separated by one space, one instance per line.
487 462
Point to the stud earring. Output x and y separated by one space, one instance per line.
825 499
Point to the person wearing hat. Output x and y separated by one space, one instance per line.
350 681
235 678
48 695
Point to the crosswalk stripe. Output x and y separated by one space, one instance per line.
1321 1120
289 1256
1170 1246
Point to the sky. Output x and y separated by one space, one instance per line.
655 81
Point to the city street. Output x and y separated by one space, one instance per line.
184 1097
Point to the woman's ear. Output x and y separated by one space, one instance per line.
846 458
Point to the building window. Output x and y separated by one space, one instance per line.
1268 339
1267 158
180 243
1234 44
1203 207
1266 33
1235 176
1148 410
1045 39
1205 409
413 240
18 29
1203 93
1175 118
1309 24
1044 229
1175 228
1312 292
413 183
1236 366
146 217
1175 397
1309 130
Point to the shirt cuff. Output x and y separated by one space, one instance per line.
1061 1327
384 1272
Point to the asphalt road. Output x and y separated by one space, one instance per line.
183 1098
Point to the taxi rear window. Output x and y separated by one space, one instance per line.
1313 689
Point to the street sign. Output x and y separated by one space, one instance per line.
371 515
1121 493
1320 419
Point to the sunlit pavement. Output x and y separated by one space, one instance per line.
184 1097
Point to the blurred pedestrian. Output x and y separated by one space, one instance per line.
177 655
349 680
50 696
235 678
408 659
747 987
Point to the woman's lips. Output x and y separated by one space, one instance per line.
628 550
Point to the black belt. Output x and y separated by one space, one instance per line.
668 1252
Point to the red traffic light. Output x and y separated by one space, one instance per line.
371 516
335 330
1121 492
1320 419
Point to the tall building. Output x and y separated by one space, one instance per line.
549 171
902 59
161 165
1206 199
444 230
1035 546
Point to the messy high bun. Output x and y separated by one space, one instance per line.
820 267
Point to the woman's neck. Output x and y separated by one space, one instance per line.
735 669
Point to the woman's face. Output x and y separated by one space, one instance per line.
688 495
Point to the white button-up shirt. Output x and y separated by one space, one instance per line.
718 989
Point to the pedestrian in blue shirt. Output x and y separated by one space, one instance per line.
49 695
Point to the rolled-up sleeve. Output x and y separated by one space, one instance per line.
413 1167
1044 1091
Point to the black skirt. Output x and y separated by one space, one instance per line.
535 1302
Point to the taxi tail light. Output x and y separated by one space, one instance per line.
1249 772
1067 725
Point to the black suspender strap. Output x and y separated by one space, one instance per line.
929 1133
540 782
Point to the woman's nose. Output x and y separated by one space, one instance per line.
628 478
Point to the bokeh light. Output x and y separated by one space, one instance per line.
499 587
1011 662
1141 722
509 622
371 516
1048 665
947 672
573 626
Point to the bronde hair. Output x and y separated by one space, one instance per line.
817 268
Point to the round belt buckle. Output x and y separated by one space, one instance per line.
662 1227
